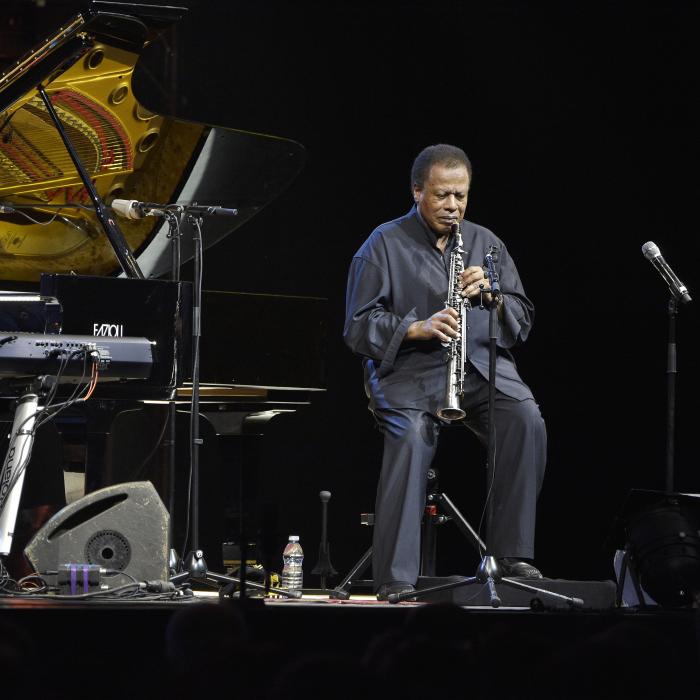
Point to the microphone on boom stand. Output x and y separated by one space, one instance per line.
679 293
193 565
133 209
652 253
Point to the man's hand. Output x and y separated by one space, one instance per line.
442 325
474 280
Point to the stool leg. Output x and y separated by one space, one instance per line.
429 544
342 590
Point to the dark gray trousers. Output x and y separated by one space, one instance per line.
410 442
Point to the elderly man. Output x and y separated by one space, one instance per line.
396 320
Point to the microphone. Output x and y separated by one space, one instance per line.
653 255
206 210
133 209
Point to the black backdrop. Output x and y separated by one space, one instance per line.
581 126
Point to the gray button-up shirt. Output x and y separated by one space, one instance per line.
399 276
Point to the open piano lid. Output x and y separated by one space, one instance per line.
129 152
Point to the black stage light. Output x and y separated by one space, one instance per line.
663 545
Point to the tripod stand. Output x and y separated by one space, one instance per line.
439 509
194 566
488 572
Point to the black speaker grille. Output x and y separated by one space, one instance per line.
109 549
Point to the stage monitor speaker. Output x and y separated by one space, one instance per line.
122 528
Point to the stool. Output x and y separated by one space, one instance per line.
439 509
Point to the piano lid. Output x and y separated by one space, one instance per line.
47 219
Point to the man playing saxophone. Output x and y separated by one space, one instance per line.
397 321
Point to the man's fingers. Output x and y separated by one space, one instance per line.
448 329
440 329
474 288
474 280
446 335
450 321
452 312
443 325
473 274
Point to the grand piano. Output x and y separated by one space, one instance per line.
75 139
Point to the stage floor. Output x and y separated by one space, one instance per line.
151 649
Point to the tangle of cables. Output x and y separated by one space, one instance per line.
83 390
35 585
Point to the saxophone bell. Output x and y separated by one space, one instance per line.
452 413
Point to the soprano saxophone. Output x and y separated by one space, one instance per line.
457 347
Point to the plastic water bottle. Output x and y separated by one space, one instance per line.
292 558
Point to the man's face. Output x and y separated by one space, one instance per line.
443 198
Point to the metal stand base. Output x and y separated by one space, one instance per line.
342 590
488 574
196 569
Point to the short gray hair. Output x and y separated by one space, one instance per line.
440 154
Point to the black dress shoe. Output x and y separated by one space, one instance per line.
395 587
517 568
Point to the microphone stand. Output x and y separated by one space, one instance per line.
671 371
194 564
324 568
489 573
679 292
174 236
